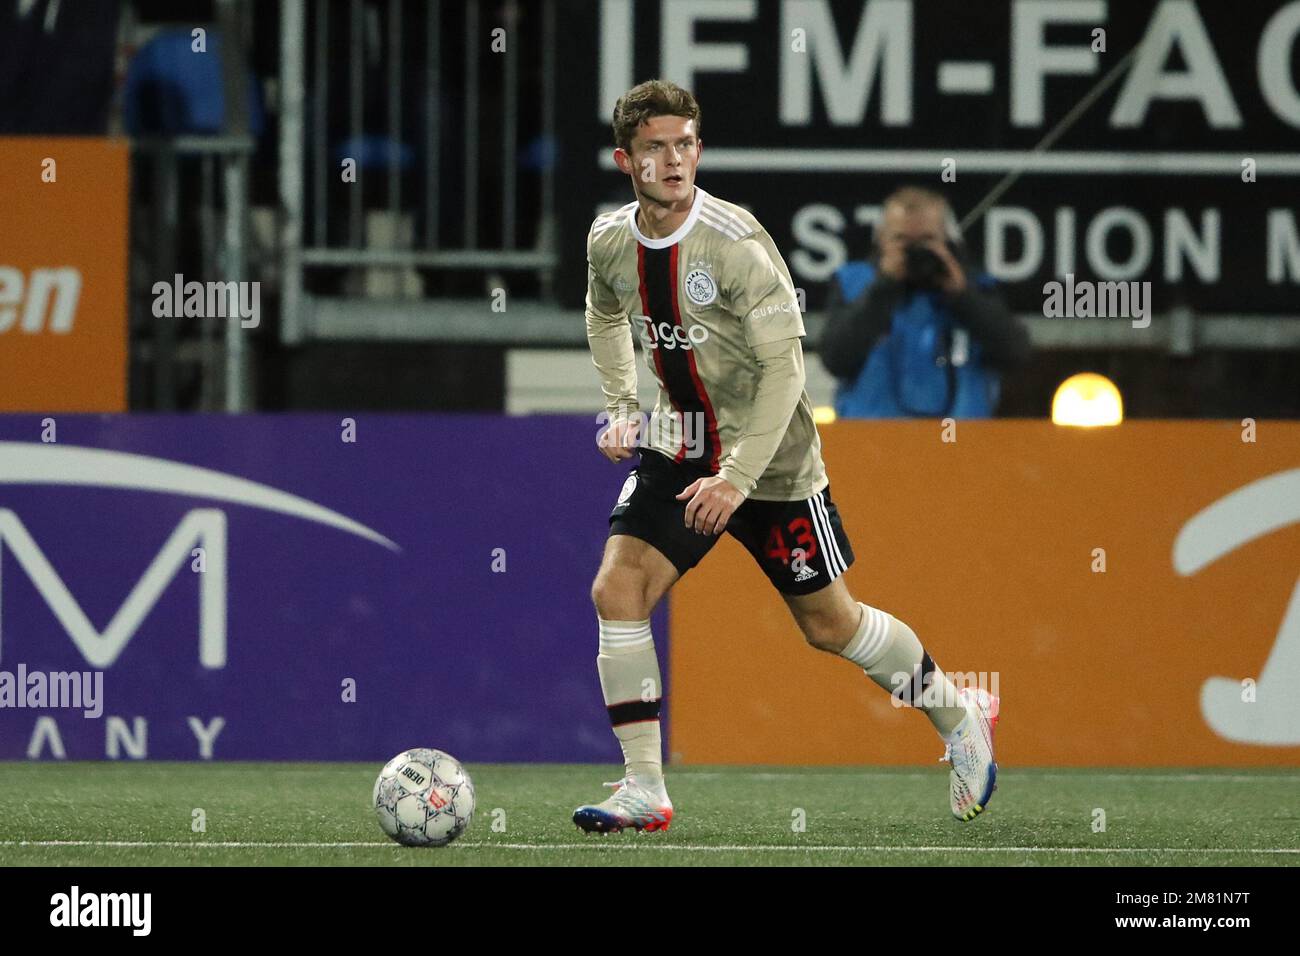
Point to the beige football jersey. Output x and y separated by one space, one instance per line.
701 302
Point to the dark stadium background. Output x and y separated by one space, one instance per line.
497 171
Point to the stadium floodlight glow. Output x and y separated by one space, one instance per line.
823 415
1087 400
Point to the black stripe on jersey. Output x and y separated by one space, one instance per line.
657 269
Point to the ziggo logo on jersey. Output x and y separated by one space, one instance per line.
670 336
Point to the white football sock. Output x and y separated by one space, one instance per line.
892 656
629 679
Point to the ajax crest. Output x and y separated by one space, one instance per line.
700 287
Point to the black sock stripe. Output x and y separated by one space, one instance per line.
633 711
913 689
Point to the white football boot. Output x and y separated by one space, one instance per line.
974 774
630 805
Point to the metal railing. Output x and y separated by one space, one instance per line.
219 349
163 216
432 113
393 223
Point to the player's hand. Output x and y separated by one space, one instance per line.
618 442
713 501
954 283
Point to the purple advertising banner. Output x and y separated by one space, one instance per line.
303 587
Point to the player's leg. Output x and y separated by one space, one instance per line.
889 652
649 547
633 577
882 645
804 551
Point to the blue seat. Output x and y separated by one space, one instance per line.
171 90
373 151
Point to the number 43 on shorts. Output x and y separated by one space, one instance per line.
800 532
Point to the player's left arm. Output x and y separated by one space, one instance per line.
763 297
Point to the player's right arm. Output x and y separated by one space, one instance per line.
609 336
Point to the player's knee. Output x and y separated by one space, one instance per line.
827 630
619 594
823 639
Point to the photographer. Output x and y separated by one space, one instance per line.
917 331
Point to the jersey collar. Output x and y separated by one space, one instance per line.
678 234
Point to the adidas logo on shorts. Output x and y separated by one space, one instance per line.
806 573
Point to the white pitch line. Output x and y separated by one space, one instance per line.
1030 776
183 844
612 846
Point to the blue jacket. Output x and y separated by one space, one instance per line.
926 365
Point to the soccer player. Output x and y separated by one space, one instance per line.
731 446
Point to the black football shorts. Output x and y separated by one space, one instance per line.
800 545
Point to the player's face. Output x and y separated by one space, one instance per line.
665 153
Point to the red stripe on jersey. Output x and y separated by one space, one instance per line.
710 419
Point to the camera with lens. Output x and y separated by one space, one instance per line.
924 267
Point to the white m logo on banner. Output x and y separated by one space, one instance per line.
202 527
36 464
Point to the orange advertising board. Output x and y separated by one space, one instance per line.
1130 592
63 274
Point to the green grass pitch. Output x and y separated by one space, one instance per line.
123 814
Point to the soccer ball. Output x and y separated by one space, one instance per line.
423 798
